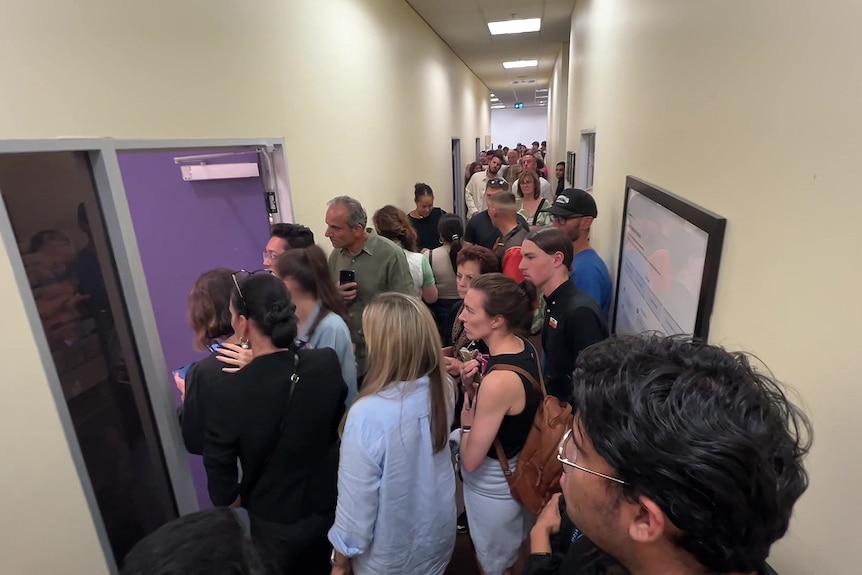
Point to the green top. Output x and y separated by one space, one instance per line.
380 266
542 218
427 273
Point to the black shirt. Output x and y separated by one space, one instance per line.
297 478
428 236
573 322
201 374
515 428
481 231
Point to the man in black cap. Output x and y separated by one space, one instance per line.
573 212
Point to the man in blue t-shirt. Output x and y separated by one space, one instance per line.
573 212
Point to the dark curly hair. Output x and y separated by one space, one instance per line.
712 440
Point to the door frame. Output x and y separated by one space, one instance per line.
111 194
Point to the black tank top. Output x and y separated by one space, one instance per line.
515 428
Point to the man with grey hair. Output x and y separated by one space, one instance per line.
376 264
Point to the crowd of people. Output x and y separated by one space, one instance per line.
358 411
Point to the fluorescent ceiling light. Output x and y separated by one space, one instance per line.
515 26
520 64
498 106
493 96
495 99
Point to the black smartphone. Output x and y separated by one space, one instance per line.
346 276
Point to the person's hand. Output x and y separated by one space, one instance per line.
425 252
347 292
469 369
235 356
452 365
181 385
341 570
468 410
549 519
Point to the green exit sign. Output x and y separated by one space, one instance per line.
519 105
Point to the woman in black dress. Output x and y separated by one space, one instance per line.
278 416
425 217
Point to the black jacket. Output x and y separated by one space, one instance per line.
573 322
287 475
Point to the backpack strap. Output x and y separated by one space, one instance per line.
537 385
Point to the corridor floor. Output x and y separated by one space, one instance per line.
463 561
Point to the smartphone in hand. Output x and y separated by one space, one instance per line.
346 276
183 371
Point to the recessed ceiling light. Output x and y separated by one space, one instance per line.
520 64
515 26
498 106
493 96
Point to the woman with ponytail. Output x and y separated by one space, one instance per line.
278 417
498 311
444 265
320 311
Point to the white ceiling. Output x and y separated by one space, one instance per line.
463 25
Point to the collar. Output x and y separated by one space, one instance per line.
368 248
565 289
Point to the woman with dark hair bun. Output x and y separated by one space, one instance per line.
278 417
425 217
498 311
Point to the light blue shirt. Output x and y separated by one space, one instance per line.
333 333
396 497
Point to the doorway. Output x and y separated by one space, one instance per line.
458 205
58 223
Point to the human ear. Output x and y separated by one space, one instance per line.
648 521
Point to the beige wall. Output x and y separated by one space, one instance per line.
751 110
366 96
558 108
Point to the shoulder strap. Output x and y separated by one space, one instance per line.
275 438
538 211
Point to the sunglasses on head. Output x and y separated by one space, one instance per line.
241 275
498 183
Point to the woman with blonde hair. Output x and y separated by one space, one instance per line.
396 485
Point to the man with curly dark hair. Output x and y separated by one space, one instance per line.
682 458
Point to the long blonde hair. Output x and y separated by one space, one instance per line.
403 345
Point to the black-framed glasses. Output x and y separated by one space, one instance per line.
561 220
497 183
561 457
241 275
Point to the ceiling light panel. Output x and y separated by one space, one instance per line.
515 26
520 64
498 106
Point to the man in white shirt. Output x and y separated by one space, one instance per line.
529 162
474 193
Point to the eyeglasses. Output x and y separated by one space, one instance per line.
270 256
242 275
561 457
561 220
497 183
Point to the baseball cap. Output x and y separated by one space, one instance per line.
573 202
